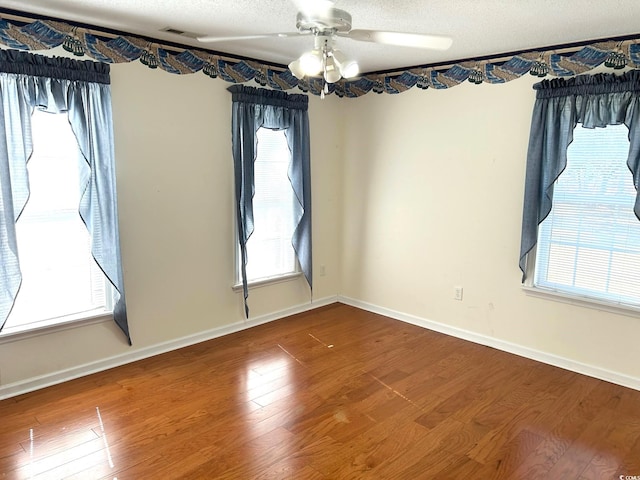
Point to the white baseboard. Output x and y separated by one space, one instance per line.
31 384
520 350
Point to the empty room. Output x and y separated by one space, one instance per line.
308 239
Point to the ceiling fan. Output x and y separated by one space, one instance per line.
326 23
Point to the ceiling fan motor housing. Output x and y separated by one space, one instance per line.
331 21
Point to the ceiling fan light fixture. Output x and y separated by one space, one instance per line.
296 69
331 72
311 62
348 67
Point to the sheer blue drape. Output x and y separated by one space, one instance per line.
253 108
81 89
592 100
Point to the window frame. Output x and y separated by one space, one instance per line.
9 334
263 281
69 320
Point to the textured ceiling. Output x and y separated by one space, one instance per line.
478 27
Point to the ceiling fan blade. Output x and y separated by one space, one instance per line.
415 40
213 38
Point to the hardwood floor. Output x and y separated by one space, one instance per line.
337 393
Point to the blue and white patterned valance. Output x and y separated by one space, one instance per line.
25 33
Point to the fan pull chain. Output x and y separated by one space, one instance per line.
325 86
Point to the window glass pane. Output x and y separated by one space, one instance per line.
590 243
275 209
59 276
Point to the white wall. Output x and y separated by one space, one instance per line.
174 174
433 184
413 194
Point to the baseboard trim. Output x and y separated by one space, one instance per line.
36 383
520 350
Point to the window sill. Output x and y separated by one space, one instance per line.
13 334
264 282
586 302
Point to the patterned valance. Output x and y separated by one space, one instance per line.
25 33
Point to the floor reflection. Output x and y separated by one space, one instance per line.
267 382
263 378
79 449
104 438
31 453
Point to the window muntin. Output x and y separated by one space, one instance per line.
61 281
589 245
276 211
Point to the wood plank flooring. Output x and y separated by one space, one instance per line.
336 393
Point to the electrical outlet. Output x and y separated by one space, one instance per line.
457 293
323 270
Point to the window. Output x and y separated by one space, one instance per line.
254 110
83 89
589 245
276 211
60 279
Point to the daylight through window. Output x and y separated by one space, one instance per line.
276 210
60 279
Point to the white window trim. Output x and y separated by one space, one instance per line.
586 302
54 325
579 300
264 282
260 282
